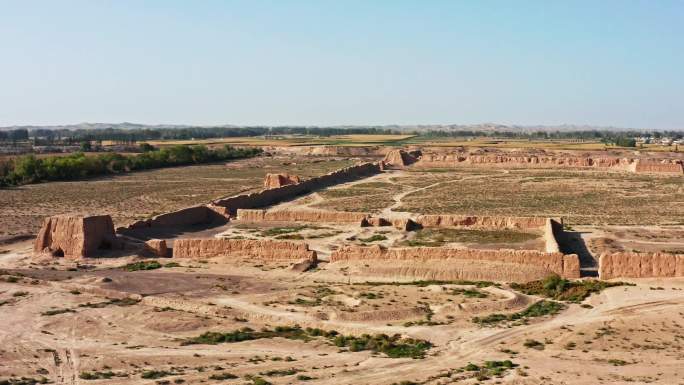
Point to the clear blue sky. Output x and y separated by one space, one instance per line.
343 62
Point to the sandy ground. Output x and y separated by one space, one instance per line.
628 334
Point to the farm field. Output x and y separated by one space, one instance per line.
294 140
144 194
580 197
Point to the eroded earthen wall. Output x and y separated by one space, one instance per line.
453 160
563 265
74 237
276 195
488 222
257 249
219 210
640 265
256 215
659 167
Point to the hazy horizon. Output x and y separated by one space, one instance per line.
353 63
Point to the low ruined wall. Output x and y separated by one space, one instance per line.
439 160
220 210
183 217
659 167
640 265
488 222
346 151
452 160
257 249
564 265
276 195
300 216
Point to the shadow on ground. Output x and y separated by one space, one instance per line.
571 242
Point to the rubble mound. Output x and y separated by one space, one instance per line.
74 237
279 180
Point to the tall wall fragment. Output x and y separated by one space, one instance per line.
74 237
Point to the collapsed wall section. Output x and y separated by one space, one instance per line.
566 266
640 265
257 249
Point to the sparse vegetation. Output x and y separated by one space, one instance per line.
142 265
373 238
538 309
392 346
561 289
223 376
440 237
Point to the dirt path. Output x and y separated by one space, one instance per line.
392 212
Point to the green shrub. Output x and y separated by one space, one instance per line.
142 265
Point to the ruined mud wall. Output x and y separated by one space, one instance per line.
183 217
74 236
219 210
276 195
564 265
257 249
300 216
453 160
452 269
659 167
640 265
437 160
347 151
488 222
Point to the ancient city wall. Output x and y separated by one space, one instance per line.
640 265
453 160
564 265
183 217
434 160
488 222
345 151
300 216
219 210
276 195
257 249
659 167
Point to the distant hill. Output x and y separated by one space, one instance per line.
486 127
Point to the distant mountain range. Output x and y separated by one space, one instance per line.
488 127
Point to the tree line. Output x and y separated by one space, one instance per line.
134 135
30 169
